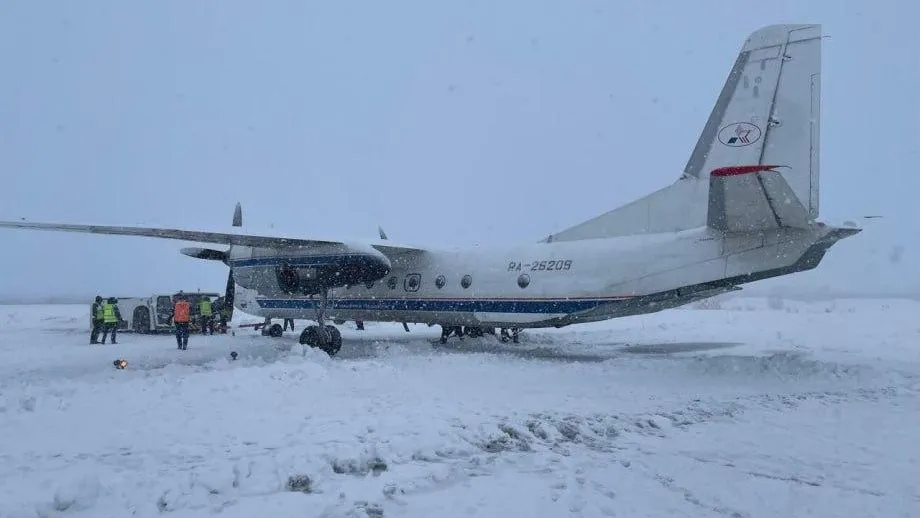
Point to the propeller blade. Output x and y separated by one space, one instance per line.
205 253
238 215
229 293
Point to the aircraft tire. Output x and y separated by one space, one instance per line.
474 332
275 331
335 341
310 336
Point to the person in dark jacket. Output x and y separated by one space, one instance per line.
96 315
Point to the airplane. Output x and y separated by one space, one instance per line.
744 209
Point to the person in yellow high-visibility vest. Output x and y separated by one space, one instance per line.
110 318
206 314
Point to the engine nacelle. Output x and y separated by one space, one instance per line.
307 272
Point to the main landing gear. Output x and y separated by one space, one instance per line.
477 332
322 336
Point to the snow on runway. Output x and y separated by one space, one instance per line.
745 411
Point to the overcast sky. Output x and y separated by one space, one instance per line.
444 122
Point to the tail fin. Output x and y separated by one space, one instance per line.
767 113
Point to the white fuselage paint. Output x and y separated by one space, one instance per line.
597 279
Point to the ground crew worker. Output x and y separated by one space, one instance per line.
96 315
181 314
286 321
110 318
225 312
206 316
218 309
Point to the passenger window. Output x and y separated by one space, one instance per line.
391 282
466 281
523 280
412 282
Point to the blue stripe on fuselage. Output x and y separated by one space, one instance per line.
442 305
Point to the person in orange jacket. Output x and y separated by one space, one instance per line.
181 316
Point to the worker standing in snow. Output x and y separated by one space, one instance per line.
181 314
110 318
218 309
206 315
226 312
96 312
286 322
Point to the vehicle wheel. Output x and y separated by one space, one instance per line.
275 331
140 322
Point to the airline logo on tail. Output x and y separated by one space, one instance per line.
739 134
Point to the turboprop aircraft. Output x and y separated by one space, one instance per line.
744 209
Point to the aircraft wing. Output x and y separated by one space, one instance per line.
226 238
398 251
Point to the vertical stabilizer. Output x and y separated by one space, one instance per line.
768 112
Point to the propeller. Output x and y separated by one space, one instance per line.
230 290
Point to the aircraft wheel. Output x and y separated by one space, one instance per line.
275 331
310 336
474 332
335 341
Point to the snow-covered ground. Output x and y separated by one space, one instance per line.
761 408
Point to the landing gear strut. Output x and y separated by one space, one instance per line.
325 337
514 336
272 330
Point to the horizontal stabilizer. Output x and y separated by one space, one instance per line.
750 198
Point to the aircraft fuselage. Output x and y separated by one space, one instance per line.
534 285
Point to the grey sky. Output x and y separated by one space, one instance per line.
445 122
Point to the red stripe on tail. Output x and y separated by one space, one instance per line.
735 170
